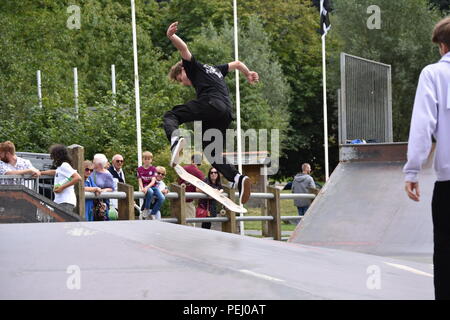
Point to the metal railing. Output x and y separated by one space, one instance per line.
178 198
178 206
42 184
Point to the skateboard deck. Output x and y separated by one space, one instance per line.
210 191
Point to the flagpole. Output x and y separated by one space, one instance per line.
113 83
75 90
238 102
136 86
325 116
324 29
39 87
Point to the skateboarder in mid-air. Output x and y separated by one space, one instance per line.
212 106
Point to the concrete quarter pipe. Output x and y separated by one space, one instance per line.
364 207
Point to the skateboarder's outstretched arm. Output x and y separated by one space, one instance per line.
252 76
178 42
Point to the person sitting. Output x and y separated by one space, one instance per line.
160 174
146 175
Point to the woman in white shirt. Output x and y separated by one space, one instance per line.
65 177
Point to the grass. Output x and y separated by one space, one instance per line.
287 209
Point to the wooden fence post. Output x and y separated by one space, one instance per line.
230 226
178 205
126 206
274 211
76 152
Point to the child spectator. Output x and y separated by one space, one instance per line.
160 174
146 175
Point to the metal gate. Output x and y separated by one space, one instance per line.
365 100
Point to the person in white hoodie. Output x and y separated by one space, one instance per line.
431 117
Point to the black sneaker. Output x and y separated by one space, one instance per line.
177 149
244 186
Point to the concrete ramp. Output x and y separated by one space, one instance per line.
157 260
364 208
19 204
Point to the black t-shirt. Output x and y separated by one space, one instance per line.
208 81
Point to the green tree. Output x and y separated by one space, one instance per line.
263 106
36 36
403 41
292 27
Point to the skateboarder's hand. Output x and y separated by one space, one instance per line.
173 28
412 190
252 77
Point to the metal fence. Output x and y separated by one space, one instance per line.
127 206
365 100
227 218
42 184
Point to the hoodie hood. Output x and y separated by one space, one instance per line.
300 177
445 58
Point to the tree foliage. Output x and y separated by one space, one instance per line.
403 41
279 39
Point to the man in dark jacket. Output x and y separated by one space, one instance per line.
303 183
116 168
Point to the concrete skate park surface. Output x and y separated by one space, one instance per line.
364 207
157 260
346 247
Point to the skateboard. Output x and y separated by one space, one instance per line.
210 191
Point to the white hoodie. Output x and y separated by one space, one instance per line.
431 116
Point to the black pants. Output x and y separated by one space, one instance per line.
441 233
214 114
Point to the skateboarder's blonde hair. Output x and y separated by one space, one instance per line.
175 71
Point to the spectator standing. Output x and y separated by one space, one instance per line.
213 179
11 164
65 177
116 168
431 117
146 175
303 183
118 175
89 186
195 171
102 178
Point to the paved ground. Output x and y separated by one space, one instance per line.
156 260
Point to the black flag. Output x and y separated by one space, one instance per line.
325 8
